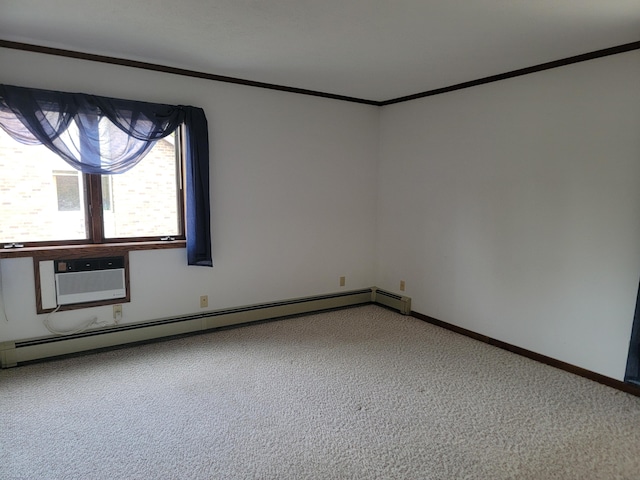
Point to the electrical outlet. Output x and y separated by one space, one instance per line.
204 301
343 281
402 285
117 313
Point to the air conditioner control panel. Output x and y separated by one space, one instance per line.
88 264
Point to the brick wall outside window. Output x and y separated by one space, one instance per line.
29 206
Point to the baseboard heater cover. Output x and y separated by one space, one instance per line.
14 353
391 300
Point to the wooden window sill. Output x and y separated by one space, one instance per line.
88 250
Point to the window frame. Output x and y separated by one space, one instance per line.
72 255
92 197
26 107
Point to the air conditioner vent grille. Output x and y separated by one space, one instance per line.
84 282
79 287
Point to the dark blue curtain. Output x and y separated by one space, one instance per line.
632 373
101 135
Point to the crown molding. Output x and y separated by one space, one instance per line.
301 91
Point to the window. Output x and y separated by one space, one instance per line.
68 186
42 206
134 158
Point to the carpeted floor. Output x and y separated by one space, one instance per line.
362 393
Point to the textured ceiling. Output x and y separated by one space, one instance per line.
371 49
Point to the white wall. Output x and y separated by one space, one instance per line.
513 209
293 181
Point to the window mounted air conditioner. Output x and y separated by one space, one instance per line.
89 280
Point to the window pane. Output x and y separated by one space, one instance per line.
29 195
68 191
106 192
143 202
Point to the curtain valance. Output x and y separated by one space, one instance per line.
102 135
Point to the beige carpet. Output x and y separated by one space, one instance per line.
362 393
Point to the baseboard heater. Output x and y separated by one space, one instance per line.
391 300
14 353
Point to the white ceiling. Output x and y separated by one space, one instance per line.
371 49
